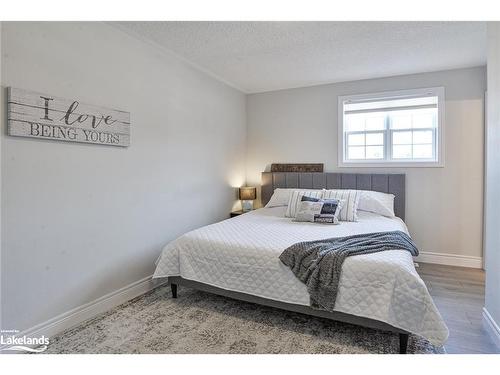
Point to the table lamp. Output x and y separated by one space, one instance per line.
247 196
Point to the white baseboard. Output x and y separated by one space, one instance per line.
450 259
491 327
81 313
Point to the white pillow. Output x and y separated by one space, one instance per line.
281 196
296 199
377 202
350 208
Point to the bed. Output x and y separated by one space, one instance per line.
238 258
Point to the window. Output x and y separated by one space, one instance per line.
403 128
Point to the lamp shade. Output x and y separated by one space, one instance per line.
248 193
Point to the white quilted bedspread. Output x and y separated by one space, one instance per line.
241 254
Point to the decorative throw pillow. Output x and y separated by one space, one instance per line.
315 210
296 198
351 198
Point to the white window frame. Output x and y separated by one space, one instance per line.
439 133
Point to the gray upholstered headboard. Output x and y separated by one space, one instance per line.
385 183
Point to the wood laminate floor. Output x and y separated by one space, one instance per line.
459 295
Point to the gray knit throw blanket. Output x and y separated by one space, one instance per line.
318 263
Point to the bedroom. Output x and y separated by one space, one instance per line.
149 243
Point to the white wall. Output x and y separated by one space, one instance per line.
79 220
492 180
444 205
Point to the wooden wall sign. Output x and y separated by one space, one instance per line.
37 115
297 167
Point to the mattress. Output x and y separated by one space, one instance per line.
242 254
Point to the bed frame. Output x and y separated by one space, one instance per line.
386 183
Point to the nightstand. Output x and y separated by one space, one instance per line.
237 213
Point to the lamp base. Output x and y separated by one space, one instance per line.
247 205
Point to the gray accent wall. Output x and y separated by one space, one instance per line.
80 221
444 206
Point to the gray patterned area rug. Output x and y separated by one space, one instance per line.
199 322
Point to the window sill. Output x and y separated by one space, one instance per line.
417 164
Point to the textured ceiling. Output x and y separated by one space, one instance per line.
264 56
